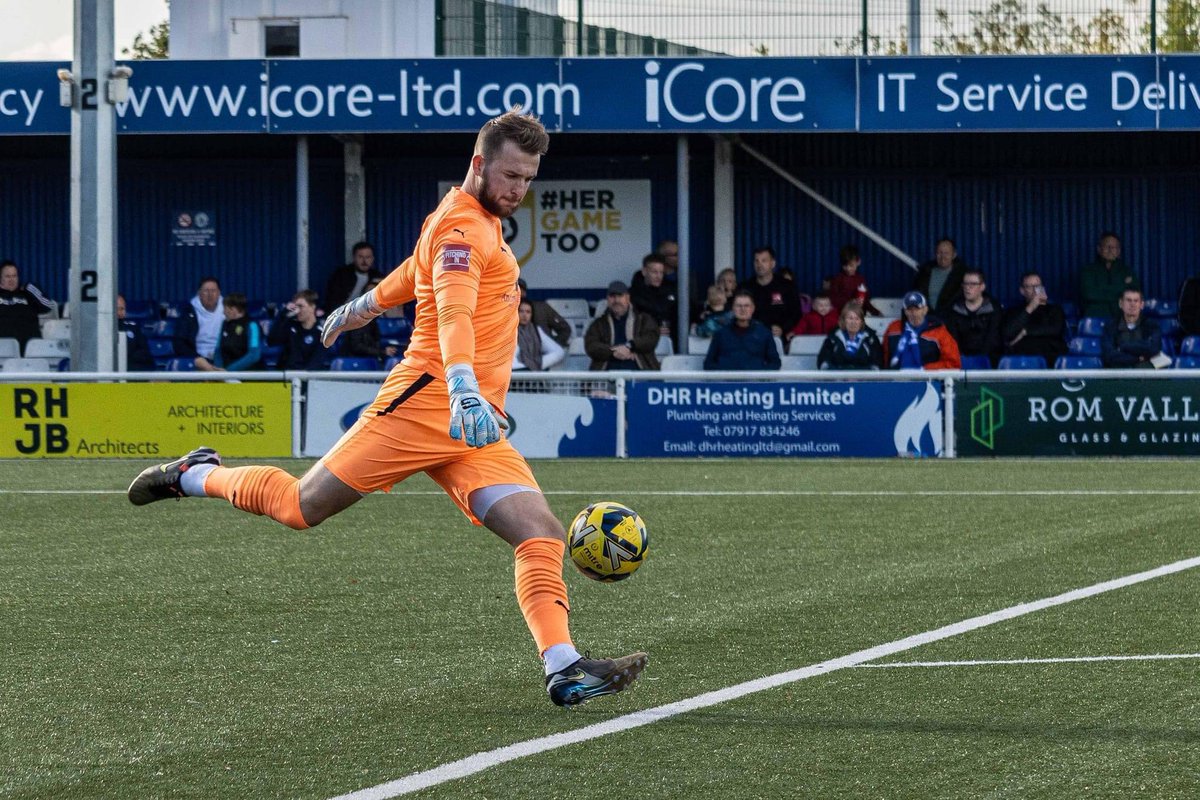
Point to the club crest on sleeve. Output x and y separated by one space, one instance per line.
456 257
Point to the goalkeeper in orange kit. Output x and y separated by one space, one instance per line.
440 411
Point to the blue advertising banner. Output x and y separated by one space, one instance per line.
712 94
1007 93
784 419
1029 93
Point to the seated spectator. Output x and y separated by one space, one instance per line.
716 314
20 305
849 283
1036 328
1102 281
745 343
349 281
820 321
1189 306
654 296
536 350
546 318
365 342
296 329
138 357
852 345
727 280
776 302
621 337
940 278
241 340
1132 339
199 330
919 340
973 318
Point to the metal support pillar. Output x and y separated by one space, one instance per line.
356 192
683 278
302 183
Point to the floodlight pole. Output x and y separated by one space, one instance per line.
92 89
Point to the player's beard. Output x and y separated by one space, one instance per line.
488 202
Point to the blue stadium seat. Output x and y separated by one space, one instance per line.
181 364
350 364
1190 346
139 310
1168 326
391 362
164 328
64 365
175 310
1187 362
161 348
1164 309
1092 326
1078 362
1022 362
271 354
394 328
976 362
1084 346
257 309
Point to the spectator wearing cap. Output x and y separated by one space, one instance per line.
546 318
919 340
622 337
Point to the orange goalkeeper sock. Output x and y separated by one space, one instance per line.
259 490
541 592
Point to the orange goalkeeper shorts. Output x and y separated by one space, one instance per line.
401 434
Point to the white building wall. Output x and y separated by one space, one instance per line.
220 29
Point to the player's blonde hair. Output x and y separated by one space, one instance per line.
523 130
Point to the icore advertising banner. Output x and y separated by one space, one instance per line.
785 419
540 425
1099 417
144 420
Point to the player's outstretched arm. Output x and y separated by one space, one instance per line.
398 288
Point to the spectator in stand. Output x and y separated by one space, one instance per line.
241 340
852 345
1036 327
919 340
546 318
716 314
848 284
940 279
349 281
20 305
137 347
776 303
1132 339
199 330
366 342
621 337
1189 306
669 250
727 280
654 296
1102 282
297 331
745 343
973 319
536 350
821 321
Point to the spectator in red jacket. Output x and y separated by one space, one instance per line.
820 321
849 284
919 340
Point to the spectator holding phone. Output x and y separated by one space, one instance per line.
1037 327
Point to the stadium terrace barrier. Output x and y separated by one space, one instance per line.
812 413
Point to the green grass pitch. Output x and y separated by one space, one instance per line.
187 650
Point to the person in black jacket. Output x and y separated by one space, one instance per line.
940 279
19 305
776 302
1036 328
745 343
350 281
1131 339
138 357
296 329
852 345
654 296
973 318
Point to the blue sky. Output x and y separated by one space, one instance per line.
40 30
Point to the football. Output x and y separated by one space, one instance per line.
607 541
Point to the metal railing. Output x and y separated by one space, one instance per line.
814 27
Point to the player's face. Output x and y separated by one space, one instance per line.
505 178
9 278
209 294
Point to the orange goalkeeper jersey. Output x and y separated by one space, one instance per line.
464 278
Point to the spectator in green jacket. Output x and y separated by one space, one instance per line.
1102 281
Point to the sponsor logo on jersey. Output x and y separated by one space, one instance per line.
456 257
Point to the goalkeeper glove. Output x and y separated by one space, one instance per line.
471 416
351 316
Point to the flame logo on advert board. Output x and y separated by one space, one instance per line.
921 415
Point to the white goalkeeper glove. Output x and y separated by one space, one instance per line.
351 316
471 416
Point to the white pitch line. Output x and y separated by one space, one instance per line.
1008 661
763 492
501 755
